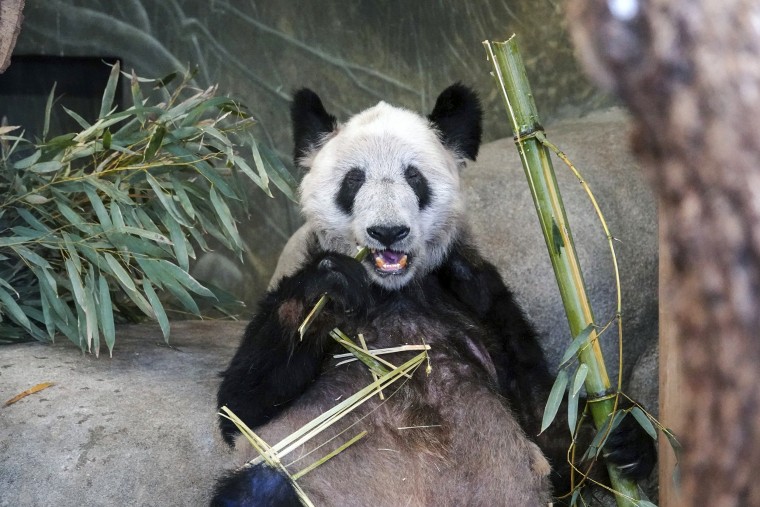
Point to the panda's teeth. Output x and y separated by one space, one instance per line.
384 265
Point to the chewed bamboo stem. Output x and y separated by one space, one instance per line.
511 78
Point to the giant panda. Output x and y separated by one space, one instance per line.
466 432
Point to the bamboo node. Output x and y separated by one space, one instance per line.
606 395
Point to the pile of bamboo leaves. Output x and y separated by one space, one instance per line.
99 225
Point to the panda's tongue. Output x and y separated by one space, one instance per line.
390 260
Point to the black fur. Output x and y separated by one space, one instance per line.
420 185
256 486
310 121
457 115
349 187
635 462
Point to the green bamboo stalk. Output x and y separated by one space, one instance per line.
521 108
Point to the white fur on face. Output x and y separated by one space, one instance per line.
383 141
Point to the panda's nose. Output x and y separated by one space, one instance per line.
387 235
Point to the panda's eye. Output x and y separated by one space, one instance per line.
354 177
419 184
349 187
412 174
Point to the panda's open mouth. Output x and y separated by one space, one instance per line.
390 262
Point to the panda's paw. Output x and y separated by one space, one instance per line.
631 449
345 282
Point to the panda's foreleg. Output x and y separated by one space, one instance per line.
273 365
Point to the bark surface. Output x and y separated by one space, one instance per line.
689 71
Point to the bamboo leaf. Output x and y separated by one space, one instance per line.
644 422
179 243
164 81
72 216
165 200
47 316
674 443
204 168
279 174
46 167
225 217
572 412
48 109
49 289
155 143
31 220
107 139
36 199
241 164
98 207
26 162
574 397
576 345
117 218
75 281
555 399
183 277
91 315
11 308
144 219
153 236
264 184
81 121
158 308
106 314
183 297
15 240
73 255
121 274
182 197
31 256
580 377
110 91
140 301
137 98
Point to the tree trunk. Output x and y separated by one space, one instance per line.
10 26
689 71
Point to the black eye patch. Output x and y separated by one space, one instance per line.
419 184
349 187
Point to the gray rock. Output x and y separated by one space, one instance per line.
138 429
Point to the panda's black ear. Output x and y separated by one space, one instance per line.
458 116
311 122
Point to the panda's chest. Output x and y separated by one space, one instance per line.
404 320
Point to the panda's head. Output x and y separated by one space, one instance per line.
387 179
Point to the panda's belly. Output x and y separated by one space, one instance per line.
440 438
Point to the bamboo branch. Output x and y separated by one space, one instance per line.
523 114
